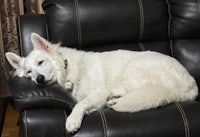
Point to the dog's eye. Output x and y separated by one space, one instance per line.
40 62
28 72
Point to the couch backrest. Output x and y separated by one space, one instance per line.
91 24
168 26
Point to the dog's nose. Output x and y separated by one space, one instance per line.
40 79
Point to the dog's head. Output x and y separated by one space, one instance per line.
38 65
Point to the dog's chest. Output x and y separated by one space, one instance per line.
78 94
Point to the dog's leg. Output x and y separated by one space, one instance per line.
94 100
143 98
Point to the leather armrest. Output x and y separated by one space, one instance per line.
27 94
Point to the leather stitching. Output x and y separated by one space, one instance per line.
170 16
198 6
106 126
46 28
65 115
141 19
78 23
104 122
169 28
65 121
141 25
141 46
185 121
25 124
20 35
27 100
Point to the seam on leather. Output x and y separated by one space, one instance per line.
25 124
198 6
19 100
78 23
20 35
169 20
46 28
169 28
185 121
141 19
171 48
65 121
104 123
65 115
105 120
141 46
141 25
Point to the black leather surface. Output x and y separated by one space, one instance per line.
187 51
174 120
183 27
28 24
185 19
4 88
42 123
106 22
3 107
28 95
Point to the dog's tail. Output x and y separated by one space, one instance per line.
150 96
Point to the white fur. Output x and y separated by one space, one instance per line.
126 81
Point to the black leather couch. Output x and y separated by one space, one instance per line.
168 26
4 97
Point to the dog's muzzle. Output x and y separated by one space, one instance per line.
40 79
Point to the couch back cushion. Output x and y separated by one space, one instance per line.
168 26
108 24
184 28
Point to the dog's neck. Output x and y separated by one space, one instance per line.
68 64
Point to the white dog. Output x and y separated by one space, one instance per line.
126 81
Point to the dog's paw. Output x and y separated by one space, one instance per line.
69 85
120 104
119 108
72 124
112 100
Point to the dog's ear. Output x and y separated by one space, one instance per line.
14 60
39 42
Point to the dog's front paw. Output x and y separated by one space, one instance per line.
72 124
69 85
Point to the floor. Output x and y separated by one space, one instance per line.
10 128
